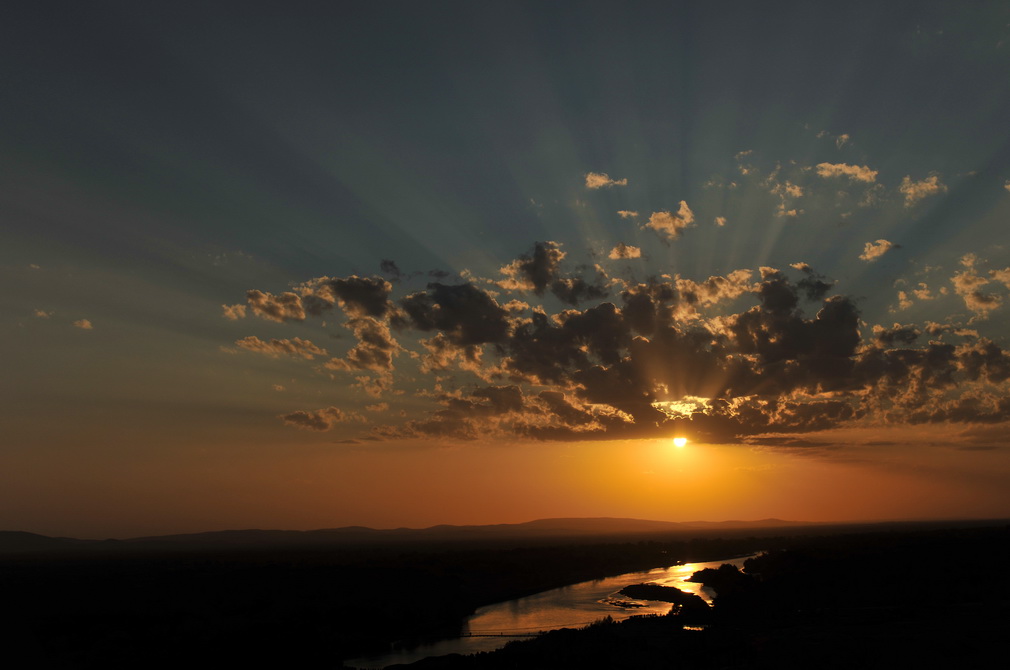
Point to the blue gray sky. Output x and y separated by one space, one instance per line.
399 263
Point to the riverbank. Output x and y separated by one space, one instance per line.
876 600
283 606
571 606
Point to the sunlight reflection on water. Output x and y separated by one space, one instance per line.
571 606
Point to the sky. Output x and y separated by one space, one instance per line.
316 264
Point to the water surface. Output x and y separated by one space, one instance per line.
571 606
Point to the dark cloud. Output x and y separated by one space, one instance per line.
725 359
464 313
813 284
896 334
540 270
319 419
361 296
390 269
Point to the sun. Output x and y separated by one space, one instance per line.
680 442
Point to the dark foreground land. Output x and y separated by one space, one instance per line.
842 597
933 599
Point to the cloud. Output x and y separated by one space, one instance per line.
595 180
464 313
787 193
42 314
840 140
669 226
914 191
320 419
873 251
1006 184
896 334
813 285
624 251
373 351
853 172
1002 276
731 358
720 221
390 268
540 270
284 307
83 324
233 312
968 284
627 213
293 347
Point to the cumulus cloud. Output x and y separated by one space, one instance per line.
83 324
720 221
280 308
627 213
374 350
669 226
320 419
968 284
293 347
595 180
736 357
540 270
1002 276
233 312
624 251
853 172
914 191
873 251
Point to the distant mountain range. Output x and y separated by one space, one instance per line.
541 529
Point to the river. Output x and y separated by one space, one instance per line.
571 606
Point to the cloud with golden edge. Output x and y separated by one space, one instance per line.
782 355
233 312
914 191
83 324
627 214
668 225
873 251
293 347
968 284
853 172
624 251
596 180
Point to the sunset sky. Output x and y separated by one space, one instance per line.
308 265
